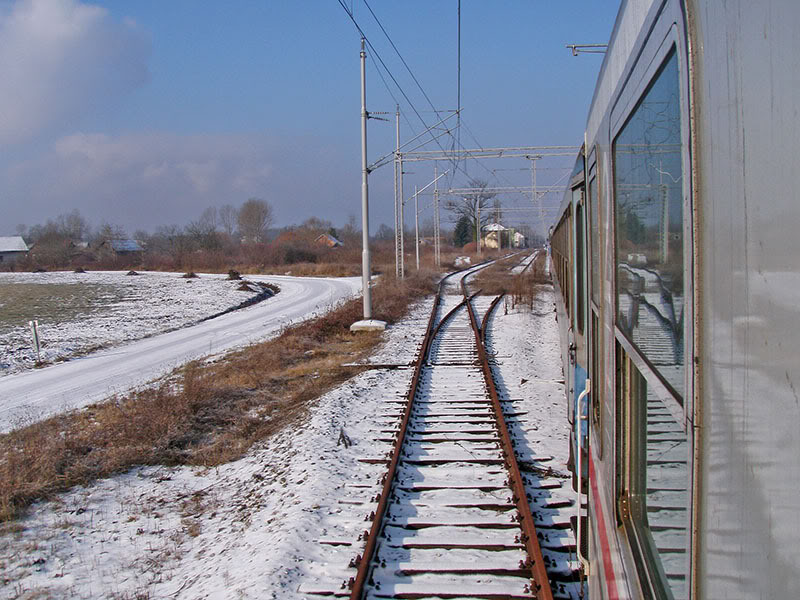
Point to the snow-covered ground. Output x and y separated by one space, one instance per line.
279 523
83 380
107 309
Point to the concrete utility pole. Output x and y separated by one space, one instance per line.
416 223
478 223
436 232
365 262
417 192
398 200
535 197
367 323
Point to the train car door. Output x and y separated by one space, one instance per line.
578 331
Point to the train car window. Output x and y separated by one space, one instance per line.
597 383
594 236
567 244
648 201
653 483
580 254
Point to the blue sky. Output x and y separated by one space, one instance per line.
145 113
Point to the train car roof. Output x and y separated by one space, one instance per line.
576 177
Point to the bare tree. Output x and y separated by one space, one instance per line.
316 224
472 204
497 211
203 231
209 218
384 233
109 232
73 225
350 232
228 219
255 217
426 228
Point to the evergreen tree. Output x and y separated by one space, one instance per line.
463 232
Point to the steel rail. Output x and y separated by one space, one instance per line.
530 263
534 564
364 560
488 314
539 577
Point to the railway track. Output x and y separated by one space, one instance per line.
453 517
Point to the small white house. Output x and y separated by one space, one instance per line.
494 235
12 248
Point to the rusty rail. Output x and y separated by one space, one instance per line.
539 578
363 561
488 314
535 562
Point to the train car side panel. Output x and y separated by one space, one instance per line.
747 80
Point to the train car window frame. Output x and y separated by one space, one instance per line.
596 359
634 471
595 239
620 117
581 292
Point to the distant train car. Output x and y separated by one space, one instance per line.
677 258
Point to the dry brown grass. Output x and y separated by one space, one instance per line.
211 414
521 288
496 278
524 286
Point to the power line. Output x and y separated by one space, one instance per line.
454 157
350 14
381 61
403 60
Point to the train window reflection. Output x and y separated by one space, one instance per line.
648 186
652 482
594 235
580 252
658 489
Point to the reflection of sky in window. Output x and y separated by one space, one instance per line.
648 153
649 224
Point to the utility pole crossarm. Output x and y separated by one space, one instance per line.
386 158
512 152
587 48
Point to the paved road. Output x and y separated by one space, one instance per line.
34 395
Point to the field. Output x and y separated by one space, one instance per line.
81 312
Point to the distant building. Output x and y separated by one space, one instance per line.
326 239
121 247
12 249
494 236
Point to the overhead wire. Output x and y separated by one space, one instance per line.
379 58
380 65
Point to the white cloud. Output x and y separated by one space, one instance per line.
60 59
144 180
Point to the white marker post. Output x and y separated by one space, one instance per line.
35 332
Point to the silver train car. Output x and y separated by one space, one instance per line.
677 259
